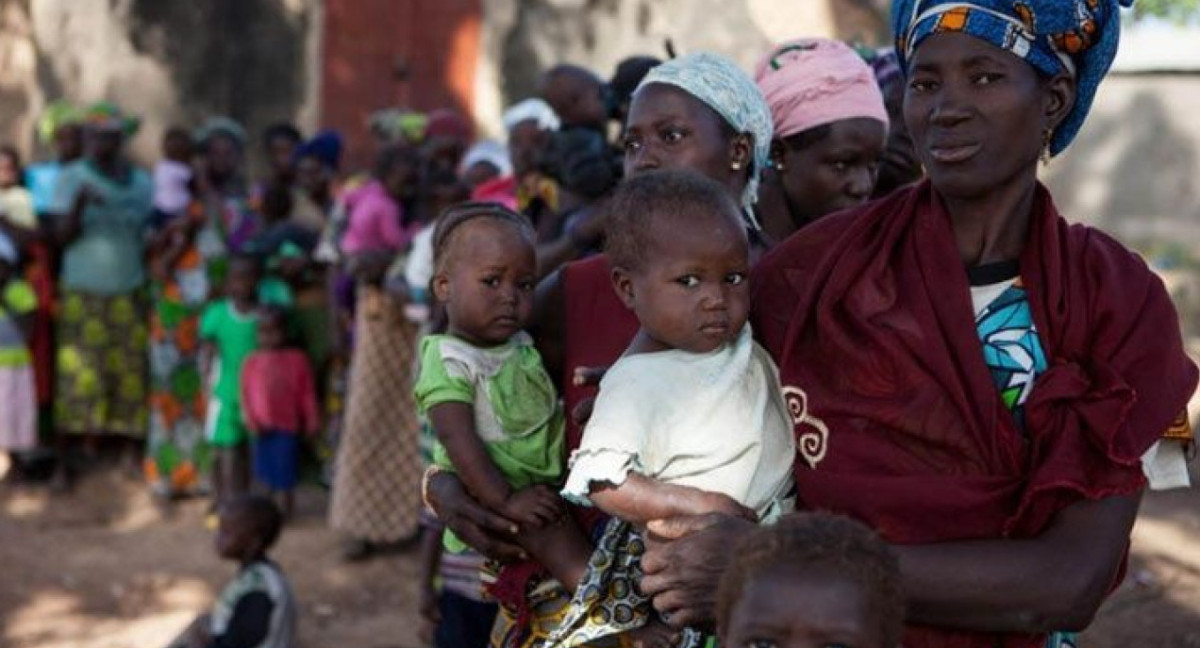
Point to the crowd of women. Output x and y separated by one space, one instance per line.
985 386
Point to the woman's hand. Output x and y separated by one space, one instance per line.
683 563
487 532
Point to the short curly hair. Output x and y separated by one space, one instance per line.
457 216
667 193
826 541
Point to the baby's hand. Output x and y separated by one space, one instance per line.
536 506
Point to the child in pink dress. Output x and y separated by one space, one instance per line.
279 402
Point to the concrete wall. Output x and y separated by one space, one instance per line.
170 62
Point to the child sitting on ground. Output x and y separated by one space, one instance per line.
691 419
492 405
279 402
18 400
257 608
172 177
229 328
812 579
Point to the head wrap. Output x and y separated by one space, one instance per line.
812 82
8 249
396 123
489 151
724 87
531 109
447 123
1078 37
56 115
215 126
107 116
325 146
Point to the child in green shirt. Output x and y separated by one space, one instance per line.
229 328
494 409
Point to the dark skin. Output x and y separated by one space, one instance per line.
978 116
486 284
799 608
899 165
667 128
576 95
812 178
106 155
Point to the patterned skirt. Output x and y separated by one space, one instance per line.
607 602
178 457
101 364
377 474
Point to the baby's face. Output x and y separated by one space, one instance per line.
789 608
691 292
488 284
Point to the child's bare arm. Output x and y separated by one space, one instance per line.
640 499
454 424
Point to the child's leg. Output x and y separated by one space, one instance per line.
561 548
219 474
238 479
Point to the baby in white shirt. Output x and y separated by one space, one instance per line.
172 176
691 419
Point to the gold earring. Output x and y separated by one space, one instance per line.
1047 135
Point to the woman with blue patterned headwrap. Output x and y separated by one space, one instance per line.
987 385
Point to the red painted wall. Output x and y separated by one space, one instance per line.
436 40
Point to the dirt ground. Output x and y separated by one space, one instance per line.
106 568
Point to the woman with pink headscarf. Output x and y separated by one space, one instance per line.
830 129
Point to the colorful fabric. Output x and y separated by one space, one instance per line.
918 423
234 334
171 193
445 122
376 222
1012 350
106 115
811 82
278 391
178 455
275 454
16 300
534 110
106 258
18 416
607 602
547 604
517 415
101 363
724 87
377 475
713 421
501 190
55 115
1078 37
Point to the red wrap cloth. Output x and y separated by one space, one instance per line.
869 315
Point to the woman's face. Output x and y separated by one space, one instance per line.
106 144
68 142
525 144
224 156
311 176
280 150
834 172
977 114
668 128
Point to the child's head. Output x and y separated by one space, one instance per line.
10 167
248 528
484 271
443 190
241 283
398 168
680 257
177 144
812 579
272 327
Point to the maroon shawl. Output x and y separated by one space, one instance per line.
869 315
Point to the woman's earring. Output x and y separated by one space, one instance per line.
736 166
778 166
1047 135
